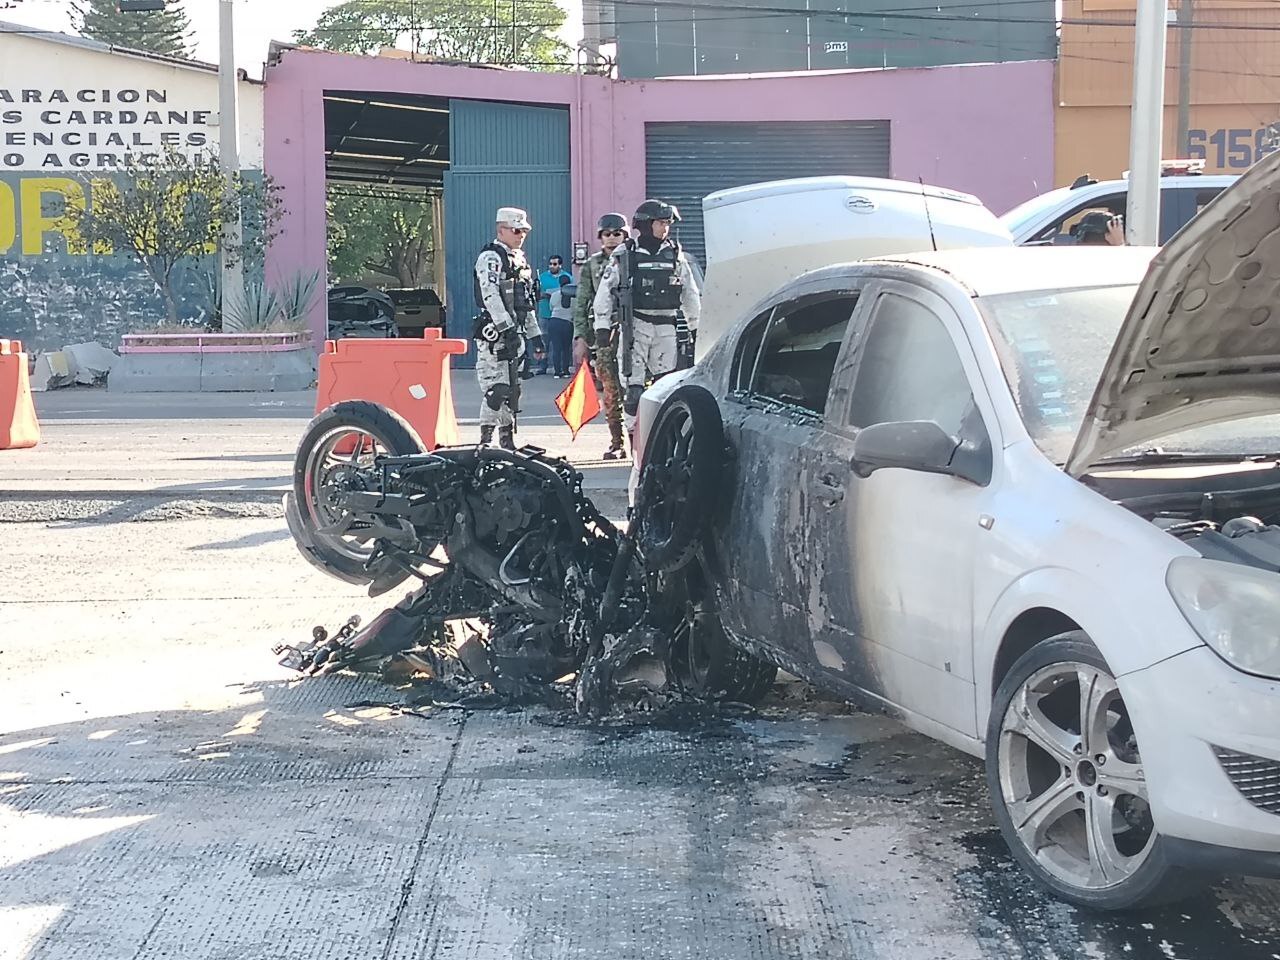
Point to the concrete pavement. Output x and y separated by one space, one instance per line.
167 791
233 447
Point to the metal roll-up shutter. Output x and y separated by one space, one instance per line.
686 161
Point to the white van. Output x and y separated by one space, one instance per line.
760 236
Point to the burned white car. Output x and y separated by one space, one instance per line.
1027 500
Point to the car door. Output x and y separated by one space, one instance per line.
892 585
772 415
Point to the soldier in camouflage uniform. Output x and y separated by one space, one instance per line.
656 274
506 294
612 230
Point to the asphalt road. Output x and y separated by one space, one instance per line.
166 790
100 448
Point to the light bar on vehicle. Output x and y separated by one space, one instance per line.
1178 168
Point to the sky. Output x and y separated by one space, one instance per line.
257 23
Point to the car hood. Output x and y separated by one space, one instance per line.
1201 341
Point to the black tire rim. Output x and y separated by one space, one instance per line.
670 476
337 463
694 656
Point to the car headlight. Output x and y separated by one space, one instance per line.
1235 609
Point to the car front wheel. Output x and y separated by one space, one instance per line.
1067 785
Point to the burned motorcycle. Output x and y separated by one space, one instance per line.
520 581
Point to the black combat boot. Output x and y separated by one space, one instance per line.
486 435
617 449
507 438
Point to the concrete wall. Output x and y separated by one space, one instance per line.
986 129
71 111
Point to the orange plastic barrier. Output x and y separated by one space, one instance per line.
18 425
406 375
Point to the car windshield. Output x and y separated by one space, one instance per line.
1052 346
1031 211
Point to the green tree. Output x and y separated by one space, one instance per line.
167 210
161 31
382 232
519 33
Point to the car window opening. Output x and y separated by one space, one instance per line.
798 356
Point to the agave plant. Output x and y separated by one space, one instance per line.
296 294
256 307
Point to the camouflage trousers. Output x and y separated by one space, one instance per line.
607 368
491 372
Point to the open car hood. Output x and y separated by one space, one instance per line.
1201 341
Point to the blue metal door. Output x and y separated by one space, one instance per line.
501 155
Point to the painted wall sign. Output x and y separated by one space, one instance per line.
32 215
1236 148
53 128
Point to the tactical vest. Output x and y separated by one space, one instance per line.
596 264
655 281
516 286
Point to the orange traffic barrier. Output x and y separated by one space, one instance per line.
407 375
18 425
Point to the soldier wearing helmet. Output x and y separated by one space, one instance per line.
649 280
506 295
611 229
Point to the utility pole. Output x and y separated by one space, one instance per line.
413 31
1146 126
232 269
1184 76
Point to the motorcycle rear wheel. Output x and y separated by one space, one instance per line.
336 454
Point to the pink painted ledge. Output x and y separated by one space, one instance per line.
215 342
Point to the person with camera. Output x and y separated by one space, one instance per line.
1100 228
506 295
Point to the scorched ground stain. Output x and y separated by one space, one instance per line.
1019 921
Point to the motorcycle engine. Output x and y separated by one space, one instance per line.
505 510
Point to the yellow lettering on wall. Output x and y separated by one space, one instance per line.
34 222
8 218
102 247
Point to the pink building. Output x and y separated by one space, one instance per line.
570 147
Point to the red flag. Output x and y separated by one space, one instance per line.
579 403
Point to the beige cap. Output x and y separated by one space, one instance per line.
514 217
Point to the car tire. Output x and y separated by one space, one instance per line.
1081 828
683 464
707 665
311 510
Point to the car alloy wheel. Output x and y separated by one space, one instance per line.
1067 782
1072 779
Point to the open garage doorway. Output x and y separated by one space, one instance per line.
385 159
412 184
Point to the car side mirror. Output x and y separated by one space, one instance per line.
920 445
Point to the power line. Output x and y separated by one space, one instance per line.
747 13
